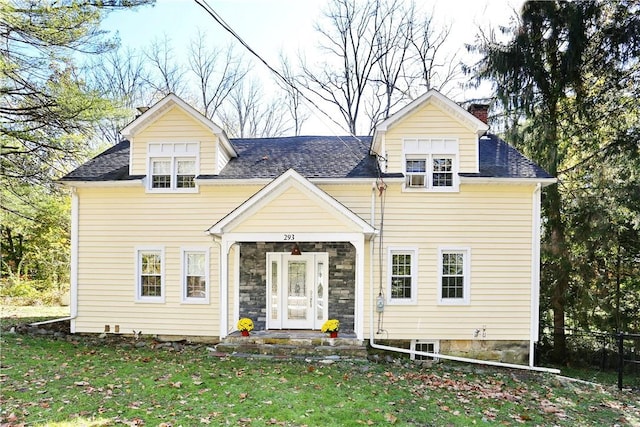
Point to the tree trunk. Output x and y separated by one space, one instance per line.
558 274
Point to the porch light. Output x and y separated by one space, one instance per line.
295 250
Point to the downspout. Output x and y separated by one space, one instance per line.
373 344
535 273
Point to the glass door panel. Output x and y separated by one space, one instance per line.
297 291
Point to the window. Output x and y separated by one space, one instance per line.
438 174
186 173
430 164
195 276
173 166
161 173
454 276
427 346
442 172
416 173
150 275
402 276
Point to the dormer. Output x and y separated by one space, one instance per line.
430 141
172 144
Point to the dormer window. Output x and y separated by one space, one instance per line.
431 164
416 172
172 166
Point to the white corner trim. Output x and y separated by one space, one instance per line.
535 272
73 291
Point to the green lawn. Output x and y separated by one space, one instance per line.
80 382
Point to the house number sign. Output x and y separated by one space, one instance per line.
289 237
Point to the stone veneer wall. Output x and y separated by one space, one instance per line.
253 279
505 351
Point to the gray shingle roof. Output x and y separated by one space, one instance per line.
498 159
110 165
312 157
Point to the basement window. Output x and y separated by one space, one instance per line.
427 346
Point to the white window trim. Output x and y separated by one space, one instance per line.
173 155
427 149
429 187
466 300
436 348
183 272
138 264
414 275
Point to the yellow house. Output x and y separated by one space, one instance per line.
425 235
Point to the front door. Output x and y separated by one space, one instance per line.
297 290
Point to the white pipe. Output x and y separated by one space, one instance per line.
434 355
535 274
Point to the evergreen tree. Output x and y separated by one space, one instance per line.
567 84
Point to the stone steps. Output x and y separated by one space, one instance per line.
297 344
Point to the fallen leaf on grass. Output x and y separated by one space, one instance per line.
392 419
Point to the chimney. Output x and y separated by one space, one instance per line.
480 111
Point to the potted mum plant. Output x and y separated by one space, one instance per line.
331 326
245 325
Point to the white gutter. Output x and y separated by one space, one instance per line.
119 183
522 181
424 353
264 181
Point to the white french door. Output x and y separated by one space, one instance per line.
296 290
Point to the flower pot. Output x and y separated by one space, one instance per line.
333 334
244 333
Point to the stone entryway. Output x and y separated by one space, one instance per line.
294 343
255 275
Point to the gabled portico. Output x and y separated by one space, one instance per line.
291 211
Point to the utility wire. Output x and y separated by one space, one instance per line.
227 27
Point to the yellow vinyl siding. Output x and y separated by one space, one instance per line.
175 126
113 223
493 221
431 122
293 210
495 224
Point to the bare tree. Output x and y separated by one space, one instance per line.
217 71
246 115
379 53
389 81
294 98
435 68
121 76
167 74
348 39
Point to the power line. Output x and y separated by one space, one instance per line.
227 27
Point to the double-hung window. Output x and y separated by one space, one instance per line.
454 276
173 166
403 281
431 164
195 276
150 275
